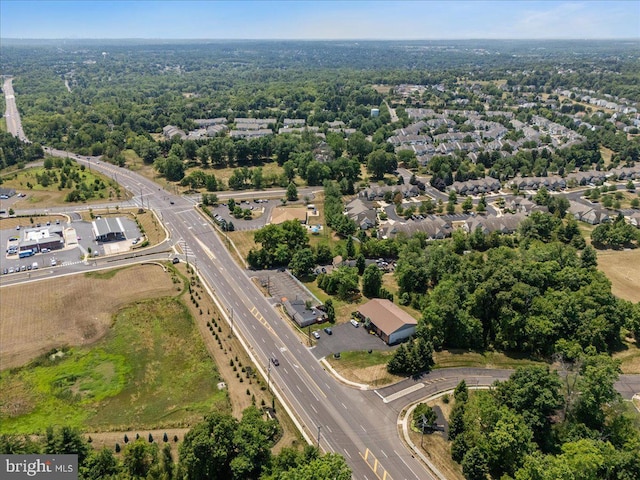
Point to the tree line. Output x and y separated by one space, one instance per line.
219 447
542 425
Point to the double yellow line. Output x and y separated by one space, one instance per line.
375 466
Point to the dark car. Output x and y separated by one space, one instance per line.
328 331
275 361
171 202
175 260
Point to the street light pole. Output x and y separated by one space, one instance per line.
318 437
231 322
268 376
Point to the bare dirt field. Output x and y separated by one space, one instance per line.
623 269
75 310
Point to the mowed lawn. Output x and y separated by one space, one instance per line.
622 267
151 370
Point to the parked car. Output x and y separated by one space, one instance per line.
316 334
328 331
354 322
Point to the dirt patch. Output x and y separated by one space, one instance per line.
75 310
623 269
630 357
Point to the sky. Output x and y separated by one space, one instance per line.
328 19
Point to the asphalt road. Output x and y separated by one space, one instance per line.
12 116
361 425
353 423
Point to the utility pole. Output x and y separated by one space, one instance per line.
423 424
268 376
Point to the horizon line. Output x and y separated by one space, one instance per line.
322 39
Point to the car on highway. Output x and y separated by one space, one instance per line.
316 334
328 331
275 361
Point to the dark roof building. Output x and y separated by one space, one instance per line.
303 316
37 239
108 229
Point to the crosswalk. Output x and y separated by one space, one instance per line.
69 263
185 248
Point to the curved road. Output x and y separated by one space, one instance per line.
360 425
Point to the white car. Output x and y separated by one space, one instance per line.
354 322
316 334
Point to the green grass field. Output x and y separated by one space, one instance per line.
101 187
152 370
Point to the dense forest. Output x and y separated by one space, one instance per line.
545 425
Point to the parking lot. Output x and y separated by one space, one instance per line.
346 338
283 286
264 206
71 254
